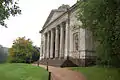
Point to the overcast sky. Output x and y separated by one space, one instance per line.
34 15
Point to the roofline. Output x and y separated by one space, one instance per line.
69 9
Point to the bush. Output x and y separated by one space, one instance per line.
22 51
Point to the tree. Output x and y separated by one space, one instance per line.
102 17
36 53
21 50
8 8
3 54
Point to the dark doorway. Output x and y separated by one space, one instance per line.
54 43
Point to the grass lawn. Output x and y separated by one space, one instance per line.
99 73
22 72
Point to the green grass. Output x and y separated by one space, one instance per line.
22 72
99 73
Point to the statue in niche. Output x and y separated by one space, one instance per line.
76 39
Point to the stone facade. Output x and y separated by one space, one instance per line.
63 37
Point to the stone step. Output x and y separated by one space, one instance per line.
58 62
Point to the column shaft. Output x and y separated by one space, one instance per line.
56 43
41 49
66 39
51 45
45 45
61 41
48 49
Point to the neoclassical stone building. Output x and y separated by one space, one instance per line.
63 41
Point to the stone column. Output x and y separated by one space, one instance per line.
45 45
48 49
41 50
56 42
66 39
61 41
51 44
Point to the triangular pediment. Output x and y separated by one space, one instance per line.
52 16
55 13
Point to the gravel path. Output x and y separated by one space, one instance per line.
58 73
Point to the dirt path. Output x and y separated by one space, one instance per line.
63 73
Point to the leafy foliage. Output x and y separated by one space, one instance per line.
22 51
8 8
36 53
102 17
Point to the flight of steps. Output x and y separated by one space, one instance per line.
58 62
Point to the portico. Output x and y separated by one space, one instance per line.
56 42
63 41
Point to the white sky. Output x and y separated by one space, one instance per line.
34 15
